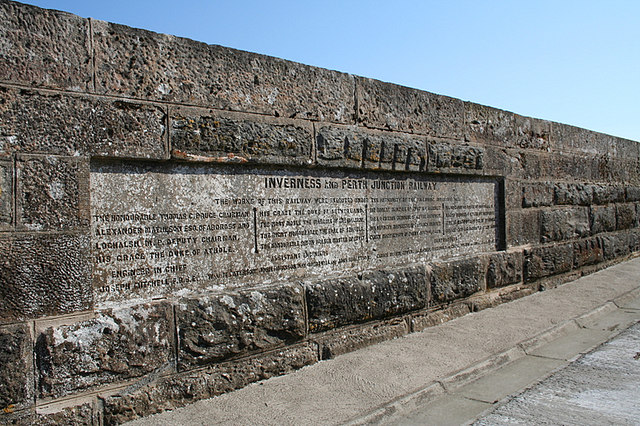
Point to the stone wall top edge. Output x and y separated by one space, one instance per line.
467 104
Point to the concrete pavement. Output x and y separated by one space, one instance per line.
448 374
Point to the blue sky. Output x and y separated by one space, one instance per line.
576 62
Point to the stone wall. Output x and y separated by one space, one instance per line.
82 100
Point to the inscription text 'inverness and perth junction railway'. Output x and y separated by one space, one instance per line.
160 230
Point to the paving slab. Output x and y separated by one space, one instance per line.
572 345
599 388
450 410
511 378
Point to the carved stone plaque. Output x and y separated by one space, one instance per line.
172 229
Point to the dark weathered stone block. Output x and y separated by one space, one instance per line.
457 279
378 294
603 219
505 269
626 216
564 224
605 194
615 246
52 193
537 195
16 368
541 262
454 158
488 125
355 147
573 194
530 165
44 47
392 107
143 64
532 133
44 275
211 329
570 138
570 167
523 227
252 138
634 240
6 195
54 123
587 252
182 389
116 345
632 193
501 162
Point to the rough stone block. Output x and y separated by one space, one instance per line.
573 194
44 47
251 137
606 194
505 269
615 246
634 241
55 123
354 147
16 368
52 193
392 107
486 125
632 193
626 216
457 279
603 219
564 224
6 195
211 329
532 133
624 148
587 252
142 64
84 414
378 294
343 341
423 320
454 158
570 167
513 194
542 262
501 162
44 274
531 165
116 345
179 390
537 195
570 138
523 227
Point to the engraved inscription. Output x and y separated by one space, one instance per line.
160 230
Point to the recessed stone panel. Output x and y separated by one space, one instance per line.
174 228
